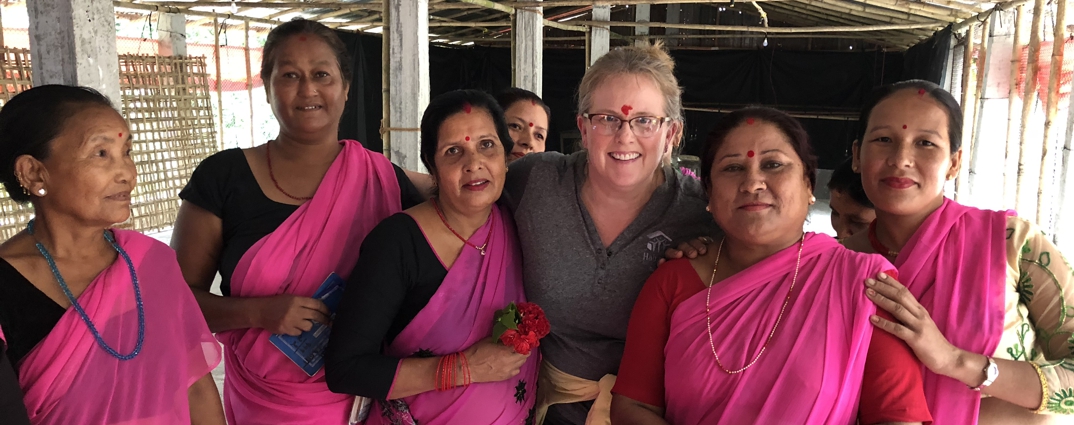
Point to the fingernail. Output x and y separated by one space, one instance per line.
870 282
870 292
874 319
883 275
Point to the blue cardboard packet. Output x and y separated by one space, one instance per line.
307 349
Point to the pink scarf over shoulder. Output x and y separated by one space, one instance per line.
956 266
811 371
69 379
262 385
458 315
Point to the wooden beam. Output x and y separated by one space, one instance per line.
558 3
211 15
1029 96
922 9
771 30
980 17
804 15
269 5
790 14
1052 103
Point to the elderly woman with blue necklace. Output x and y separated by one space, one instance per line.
98 322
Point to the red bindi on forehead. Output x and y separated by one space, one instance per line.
302 38
531 124
626 109
120 134
904 126
467 138
533 102
749 154
749 121
467 108
921 92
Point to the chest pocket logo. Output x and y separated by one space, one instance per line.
654 249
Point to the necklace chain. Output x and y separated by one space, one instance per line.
268 157
708 312
879 246
82 312
436 206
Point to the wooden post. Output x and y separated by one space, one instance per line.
599 36
962 185
527 48
385 86
1010 168
219 81
1 26
249 78
409 78
1065 179
1051 107
971 146
641 14
1029 97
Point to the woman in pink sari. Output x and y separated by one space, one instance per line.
769 327
982 296
413 328
98 322
275 221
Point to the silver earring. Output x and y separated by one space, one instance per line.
708 209
41 192
812 200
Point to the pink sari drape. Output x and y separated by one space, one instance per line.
458 315
956 266
68 379
811 371
262 385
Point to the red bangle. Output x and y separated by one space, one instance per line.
465 370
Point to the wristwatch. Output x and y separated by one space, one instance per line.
991 373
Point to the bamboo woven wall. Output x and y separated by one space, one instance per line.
14 78
166 103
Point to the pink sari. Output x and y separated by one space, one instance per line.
68 379
811 371
262 385
458 315
956 266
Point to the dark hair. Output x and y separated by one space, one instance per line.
302 26
790 127
31 120
847 181
937 93
508 97
444 106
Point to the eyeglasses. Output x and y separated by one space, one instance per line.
608 125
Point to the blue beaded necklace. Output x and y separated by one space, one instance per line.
78 307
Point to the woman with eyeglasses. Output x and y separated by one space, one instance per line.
586 263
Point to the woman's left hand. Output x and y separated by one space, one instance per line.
914 325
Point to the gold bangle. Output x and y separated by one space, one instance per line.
1043 391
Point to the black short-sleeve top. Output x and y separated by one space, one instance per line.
224 185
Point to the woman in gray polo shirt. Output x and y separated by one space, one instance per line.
594 224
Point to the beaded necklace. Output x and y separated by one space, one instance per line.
82 312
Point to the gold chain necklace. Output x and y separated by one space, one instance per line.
708 313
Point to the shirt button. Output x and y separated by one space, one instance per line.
600 251
609 253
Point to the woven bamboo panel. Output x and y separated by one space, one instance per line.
14 78
166 103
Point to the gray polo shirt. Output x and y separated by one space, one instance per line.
586 289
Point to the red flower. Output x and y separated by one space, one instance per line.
533 319
510 337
